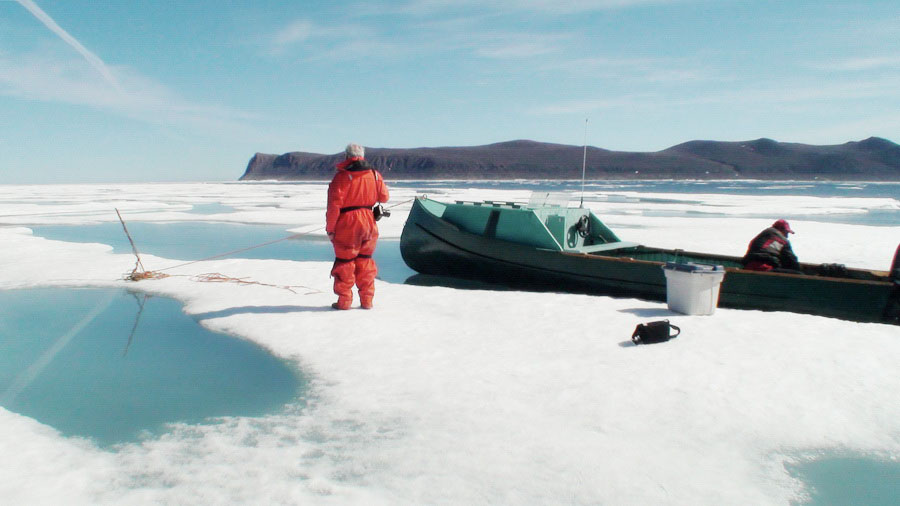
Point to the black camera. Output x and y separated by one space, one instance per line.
380 211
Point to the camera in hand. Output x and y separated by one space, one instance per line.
380 211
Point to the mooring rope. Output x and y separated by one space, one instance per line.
234 252
248 248
216 277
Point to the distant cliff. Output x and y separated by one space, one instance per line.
873 159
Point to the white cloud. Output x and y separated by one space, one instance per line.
315 42
426 7
54 76
512 45
580 5
592 105
305 30
298 31
493 29
359 49
653 70
514 50
791 93
869 63
769 97
53 79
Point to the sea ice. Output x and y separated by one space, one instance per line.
453 396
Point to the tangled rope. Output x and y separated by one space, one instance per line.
138 276
215 277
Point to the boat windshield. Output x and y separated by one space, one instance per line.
540 199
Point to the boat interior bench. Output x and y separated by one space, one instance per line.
597 248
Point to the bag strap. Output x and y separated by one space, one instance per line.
375 175
676 328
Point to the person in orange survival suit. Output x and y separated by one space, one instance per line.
350 225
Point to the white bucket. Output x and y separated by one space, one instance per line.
693 288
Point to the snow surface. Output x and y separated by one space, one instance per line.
447 396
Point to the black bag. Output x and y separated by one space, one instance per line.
654 332
833 270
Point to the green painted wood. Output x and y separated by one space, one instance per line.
515 224
523 226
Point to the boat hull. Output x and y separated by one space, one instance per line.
432 245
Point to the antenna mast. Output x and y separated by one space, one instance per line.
583 163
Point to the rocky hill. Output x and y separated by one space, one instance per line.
873 159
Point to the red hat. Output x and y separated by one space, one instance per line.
783 226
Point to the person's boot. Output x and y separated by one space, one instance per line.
342 303
366 303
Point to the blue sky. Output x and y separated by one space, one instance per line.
109 91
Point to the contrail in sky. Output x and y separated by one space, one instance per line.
95 61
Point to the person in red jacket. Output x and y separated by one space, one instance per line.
770 250
350 225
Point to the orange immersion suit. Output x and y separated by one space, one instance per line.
351 225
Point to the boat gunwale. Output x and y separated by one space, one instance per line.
737 270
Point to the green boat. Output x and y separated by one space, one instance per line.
548 246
